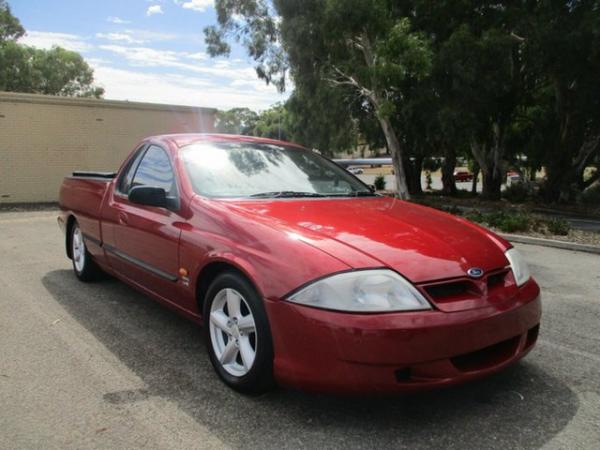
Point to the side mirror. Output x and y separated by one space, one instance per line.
149 196
372 187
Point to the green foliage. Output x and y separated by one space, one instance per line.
318 118
432 164
259 33
10 26
53 72
493 80
379 182
558 226
236 121
516 193
508 222
591 196
273 124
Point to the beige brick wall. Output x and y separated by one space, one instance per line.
45 138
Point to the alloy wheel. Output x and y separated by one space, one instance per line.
233 332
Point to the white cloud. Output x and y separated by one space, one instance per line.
117 20
151 35
122 37
144 56
154 9
150 57
196 5
176 89
47 39
200 56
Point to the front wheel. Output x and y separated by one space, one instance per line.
237 333
83 265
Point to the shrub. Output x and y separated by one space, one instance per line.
452 209
558 226
591 196
516 222
379 183
509 222
516 193
465 193
475 216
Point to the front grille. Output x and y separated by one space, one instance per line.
496 279
466 288
452 291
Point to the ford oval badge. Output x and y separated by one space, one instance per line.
475 272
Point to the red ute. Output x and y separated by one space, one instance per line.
300 273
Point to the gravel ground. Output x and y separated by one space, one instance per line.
578 236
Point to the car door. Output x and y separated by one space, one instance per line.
146 239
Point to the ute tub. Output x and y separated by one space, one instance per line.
395 352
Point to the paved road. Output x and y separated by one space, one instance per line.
101 366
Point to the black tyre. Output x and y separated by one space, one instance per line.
237 333
83 265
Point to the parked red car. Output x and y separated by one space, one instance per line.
300 273
462 176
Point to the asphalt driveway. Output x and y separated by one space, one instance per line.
99 365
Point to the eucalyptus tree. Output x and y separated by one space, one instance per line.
236 121
563 46
367 47
10 26
26 69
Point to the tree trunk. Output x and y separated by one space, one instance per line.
396 150
448 181
413 174
492 182
393 143
564 175
475 177
490 163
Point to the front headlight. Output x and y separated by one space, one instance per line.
362 291
518 265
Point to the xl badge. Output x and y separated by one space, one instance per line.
475 272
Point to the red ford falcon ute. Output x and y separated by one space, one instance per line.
300 274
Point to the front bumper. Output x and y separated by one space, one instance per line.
396 352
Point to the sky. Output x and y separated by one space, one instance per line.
147 50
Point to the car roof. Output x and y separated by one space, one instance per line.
183 139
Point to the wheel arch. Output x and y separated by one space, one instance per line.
211 271
70 222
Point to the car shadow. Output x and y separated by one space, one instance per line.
521 407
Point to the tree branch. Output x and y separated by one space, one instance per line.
347 80
585 151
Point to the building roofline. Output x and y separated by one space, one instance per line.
17 97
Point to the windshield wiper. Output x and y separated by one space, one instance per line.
363 194
285 194
354 194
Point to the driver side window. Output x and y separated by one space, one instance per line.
155 170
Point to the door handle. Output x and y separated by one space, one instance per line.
122 218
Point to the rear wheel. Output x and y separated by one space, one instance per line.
237 334
83 265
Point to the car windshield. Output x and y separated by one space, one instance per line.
255 170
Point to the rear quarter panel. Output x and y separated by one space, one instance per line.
82 198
